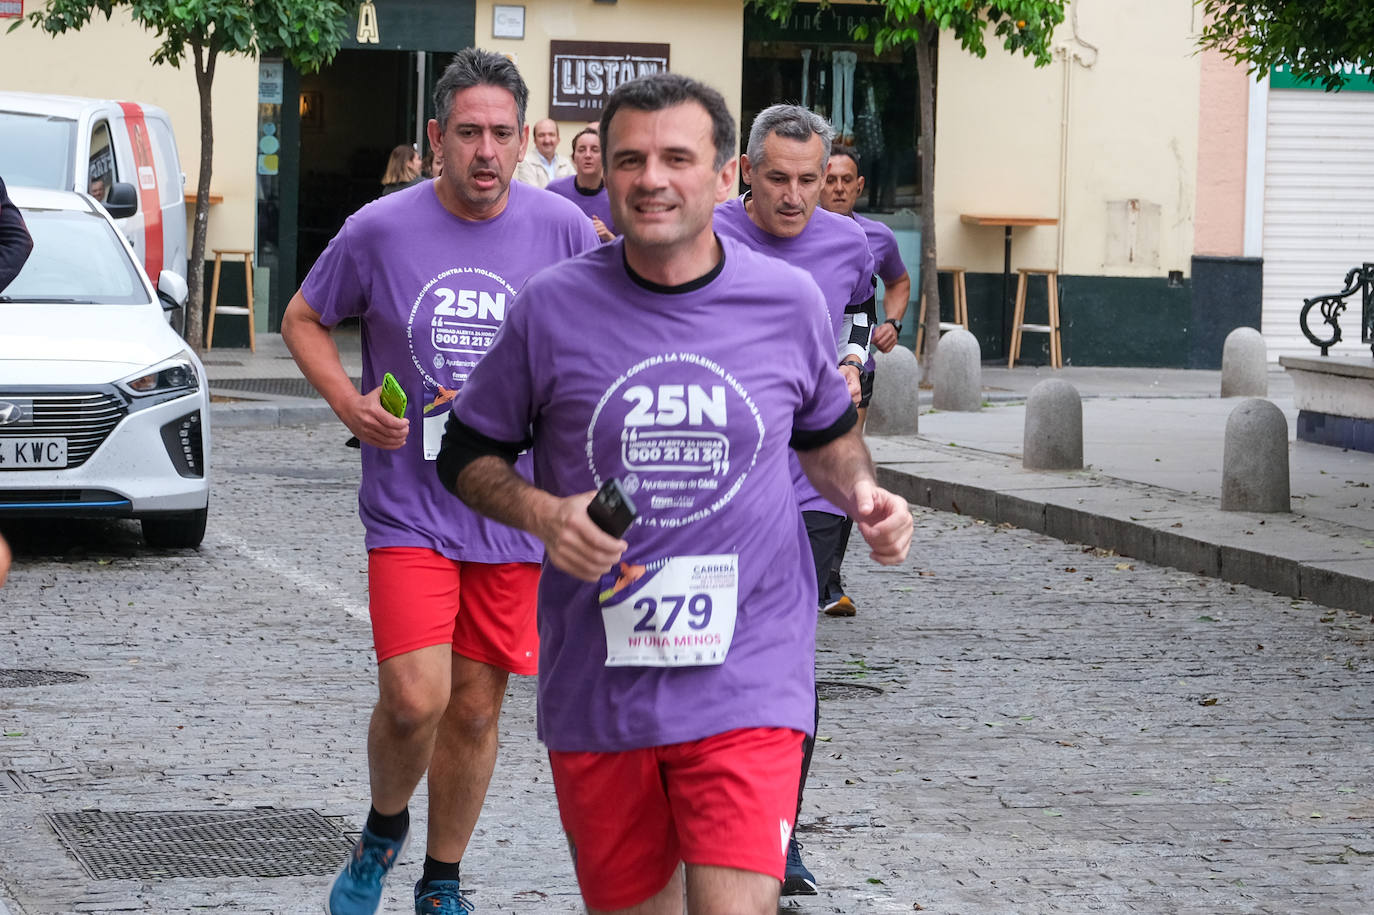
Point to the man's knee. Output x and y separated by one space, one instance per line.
414 690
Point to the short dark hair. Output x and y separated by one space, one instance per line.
792 122
839 149
582 133
477 67
658 91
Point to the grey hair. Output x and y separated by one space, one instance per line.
792 122
658 91
477 67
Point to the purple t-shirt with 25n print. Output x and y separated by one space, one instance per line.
709 624
431 290
834 250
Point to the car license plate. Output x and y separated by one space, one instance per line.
24 453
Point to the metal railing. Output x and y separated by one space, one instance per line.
1359 279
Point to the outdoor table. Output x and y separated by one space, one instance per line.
1009 223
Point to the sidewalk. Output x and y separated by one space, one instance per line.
1153 442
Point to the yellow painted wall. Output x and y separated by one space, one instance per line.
1132 134
706 38
111 59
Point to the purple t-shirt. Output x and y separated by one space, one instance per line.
834 250
887 259
670 395
597 203
431 291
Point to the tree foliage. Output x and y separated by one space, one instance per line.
1321 40
1024 26
306 33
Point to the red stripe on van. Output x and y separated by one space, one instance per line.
146 181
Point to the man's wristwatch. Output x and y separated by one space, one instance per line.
896 325
854 362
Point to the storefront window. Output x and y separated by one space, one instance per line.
812 58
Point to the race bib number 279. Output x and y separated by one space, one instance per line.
682 615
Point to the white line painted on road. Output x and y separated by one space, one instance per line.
325 590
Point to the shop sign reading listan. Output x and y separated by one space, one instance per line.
583 73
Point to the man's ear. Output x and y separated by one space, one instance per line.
745 171
524 141
725 186
859 187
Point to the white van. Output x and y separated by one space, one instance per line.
124 154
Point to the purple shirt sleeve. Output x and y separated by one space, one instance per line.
825 396
498 398
333 288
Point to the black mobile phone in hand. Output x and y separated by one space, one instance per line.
612 510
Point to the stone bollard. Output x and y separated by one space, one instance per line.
1244 364
958 372
1054 427
896 394
1254 463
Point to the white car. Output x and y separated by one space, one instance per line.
104 411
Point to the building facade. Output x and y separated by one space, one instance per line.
1187 199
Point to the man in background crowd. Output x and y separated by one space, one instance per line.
543 163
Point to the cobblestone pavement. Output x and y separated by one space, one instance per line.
1016 725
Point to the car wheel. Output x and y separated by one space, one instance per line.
176 531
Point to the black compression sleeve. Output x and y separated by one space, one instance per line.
807 439
463 444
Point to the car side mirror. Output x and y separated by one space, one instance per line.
122 200
171 290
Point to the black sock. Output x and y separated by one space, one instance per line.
388 827
439 870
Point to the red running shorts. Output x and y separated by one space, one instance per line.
723 801
486 611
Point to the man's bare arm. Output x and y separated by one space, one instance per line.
842 472
312 346
896 295
490 486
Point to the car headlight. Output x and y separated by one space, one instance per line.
177 374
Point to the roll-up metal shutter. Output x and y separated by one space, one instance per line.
1318 210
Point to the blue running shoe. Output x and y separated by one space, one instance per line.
441 897
797 880
358 888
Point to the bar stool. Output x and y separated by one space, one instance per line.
960 306
1018 320
216 308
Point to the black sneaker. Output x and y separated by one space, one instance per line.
798 881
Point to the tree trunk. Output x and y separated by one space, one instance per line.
195 302
930 286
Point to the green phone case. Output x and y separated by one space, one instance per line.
393 398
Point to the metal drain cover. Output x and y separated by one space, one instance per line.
834 689
288 387
10 677
262 842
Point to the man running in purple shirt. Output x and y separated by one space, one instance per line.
785 169
843 186
676 673
431 271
